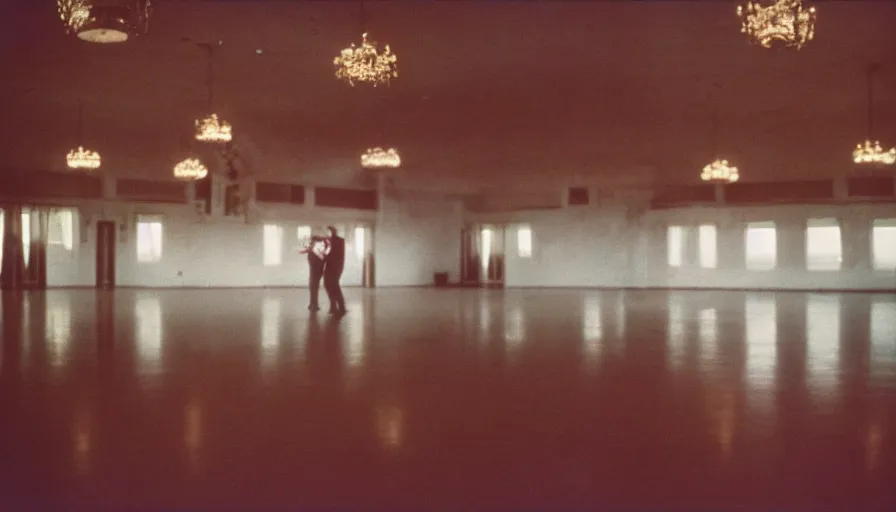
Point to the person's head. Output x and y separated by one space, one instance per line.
332 230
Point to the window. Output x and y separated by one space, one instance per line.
675 245
303 233
761 246
823 248
708 246
149 238
2 237
273 245
883 244
524 241
360 242
26 237
60 230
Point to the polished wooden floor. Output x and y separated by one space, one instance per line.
454 399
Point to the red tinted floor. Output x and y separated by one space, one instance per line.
423 399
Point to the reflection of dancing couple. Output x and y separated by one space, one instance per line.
326 258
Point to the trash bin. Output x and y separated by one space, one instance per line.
440 278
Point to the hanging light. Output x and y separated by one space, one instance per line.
871 152
785 21
105 21
366 65
719 171
190 169
211 128
83 159
379 158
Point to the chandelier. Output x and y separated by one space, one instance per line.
83 159
104 21
190 169
379 158
871 152
719 171
365 65
786 21
211 129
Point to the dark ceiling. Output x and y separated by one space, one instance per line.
489 92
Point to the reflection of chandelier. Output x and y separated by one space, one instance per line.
83 159
190 169
365 65
785 21
719 172
873 153
104 21
379 158
211 129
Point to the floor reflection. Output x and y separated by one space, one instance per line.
823 346
148 335
711 398
762 352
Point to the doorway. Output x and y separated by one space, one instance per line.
105 254
482 255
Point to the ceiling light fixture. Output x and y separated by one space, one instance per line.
210 128
871 152
379 158
719 171
190 169
82 158
366 65
785 21
105 21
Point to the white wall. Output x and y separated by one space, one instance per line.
417 234
614 245
413 237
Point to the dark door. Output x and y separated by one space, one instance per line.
105 254
469 256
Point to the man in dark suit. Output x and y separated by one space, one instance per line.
333 271
316 251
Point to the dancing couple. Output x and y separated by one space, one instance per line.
326 259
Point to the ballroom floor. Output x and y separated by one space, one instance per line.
423 399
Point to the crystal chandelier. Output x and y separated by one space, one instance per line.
365 65
872 153
83 159
105 21
719 171
379 158
190 169
211 129
786 21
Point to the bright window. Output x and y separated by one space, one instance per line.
675 245
26 237
61 228
2 237
823 248
303 233
273 245
761 245
524 241
360 241
149 239
486 247
708 246
883 244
